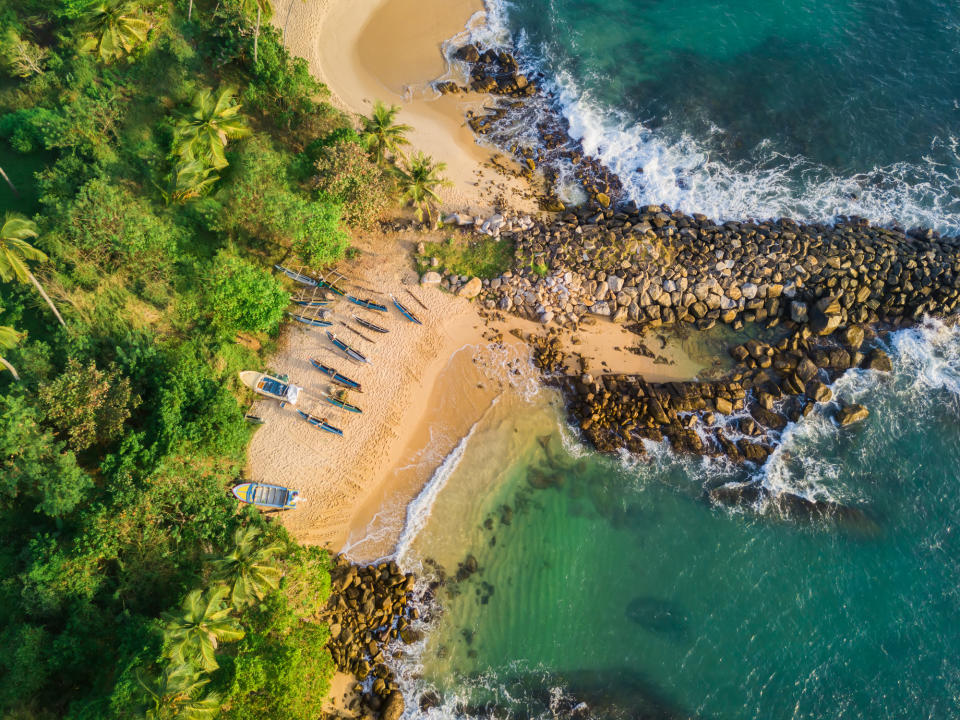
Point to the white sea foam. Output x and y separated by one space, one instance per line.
420 509
682 173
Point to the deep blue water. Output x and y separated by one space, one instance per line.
809 108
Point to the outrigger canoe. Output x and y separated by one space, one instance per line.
342 404
347 350
406 313
294 275
368 304
335 376
311 303
270 496
270 386
331 287
320 423
369 325
315 322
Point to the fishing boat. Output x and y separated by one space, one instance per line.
320 423
294 275
270 386
406 313
335 376
310 303
269 496
368 304
347 350
369 325
331 287
254 419
315 322
342 404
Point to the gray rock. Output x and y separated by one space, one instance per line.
600 308
615 283
431 278
471 289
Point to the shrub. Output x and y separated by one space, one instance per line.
262 202
346 175
88 406
110 224
244 297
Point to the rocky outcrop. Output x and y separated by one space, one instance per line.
369 608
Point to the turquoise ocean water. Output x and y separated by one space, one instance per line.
586 586
607 587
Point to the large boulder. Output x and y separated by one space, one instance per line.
850 414
431 277
471 289
393 710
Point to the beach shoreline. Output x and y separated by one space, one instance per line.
357 487
391 50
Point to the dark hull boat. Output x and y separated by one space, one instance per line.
315 322
406 313
343 405
311 303
335 376
331 287
369 325
320 424
368 304
346 349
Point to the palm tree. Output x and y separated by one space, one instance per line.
113 28
9 339
203 133
7 179
15 251
262 6
248 568
419 184
193 633
172 695
191 179
382 133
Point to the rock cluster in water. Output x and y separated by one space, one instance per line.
496 72
369 608
821 289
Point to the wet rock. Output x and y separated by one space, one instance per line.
878 360
850 414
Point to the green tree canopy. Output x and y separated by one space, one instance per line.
15 252
88 406
249 568
419 184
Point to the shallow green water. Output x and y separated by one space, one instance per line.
623 589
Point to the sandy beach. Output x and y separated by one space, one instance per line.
426 385
390 50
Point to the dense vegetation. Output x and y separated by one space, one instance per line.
155 165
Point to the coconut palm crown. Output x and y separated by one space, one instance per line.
248 569
193 633
382 134
419 183
16 252
203 133
114 28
